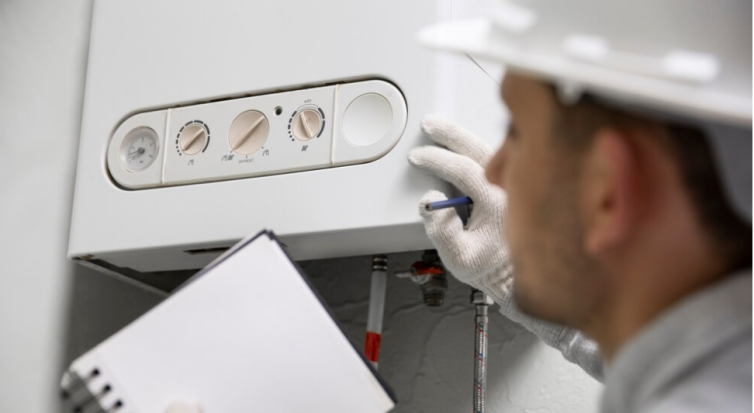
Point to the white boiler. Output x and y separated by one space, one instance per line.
207 120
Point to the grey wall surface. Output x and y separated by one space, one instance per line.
427 353
43 46
52 311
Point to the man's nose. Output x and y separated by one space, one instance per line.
496 167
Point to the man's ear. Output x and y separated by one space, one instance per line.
610 189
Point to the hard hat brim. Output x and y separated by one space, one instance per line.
479 38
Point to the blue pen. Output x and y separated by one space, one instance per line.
448 203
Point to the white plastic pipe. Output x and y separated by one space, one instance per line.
376 310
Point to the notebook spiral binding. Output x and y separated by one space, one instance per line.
86 394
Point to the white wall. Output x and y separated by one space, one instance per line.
43 47
51 311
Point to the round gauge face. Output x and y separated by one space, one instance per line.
139 149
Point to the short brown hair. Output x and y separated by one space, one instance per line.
689 145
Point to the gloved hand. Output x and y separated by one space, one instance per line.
476 255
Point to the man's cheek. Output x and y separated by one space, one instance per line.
518 224
512 226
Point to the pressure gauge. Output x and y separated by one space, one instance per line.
139 149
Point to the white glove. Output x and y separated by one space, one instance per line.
478 255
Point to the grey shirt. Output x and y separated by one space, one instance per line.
695 357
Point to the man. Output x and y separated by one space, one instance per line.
627 177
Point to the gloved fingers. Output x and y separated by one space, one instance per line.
493 210
444 227
457 139
468 255
459 170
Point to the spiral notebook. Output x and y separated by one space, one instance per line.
246 334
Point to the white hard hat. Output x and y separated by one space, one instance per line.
686 58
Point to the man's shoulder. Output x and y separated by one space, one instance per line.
696 357
720 383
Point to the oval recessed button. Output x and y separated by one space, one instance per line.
367 119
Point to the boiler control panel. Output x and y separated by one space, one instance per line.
270 134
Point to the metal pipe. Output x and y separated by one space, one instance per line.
376 309
480 348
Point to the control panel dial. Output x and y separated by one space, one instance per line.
307 124
248 132
193 138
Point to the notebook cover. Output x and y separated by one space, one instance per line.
246 333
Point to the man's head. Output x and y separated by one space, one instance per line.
602 203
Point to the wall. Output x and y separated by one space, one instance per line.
51 311
427 354
43 46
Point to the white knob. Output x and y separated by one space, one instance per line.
193 139
307 124
248 132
